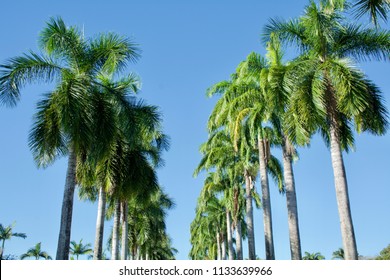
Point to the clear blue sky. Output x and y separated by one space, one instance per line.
186 47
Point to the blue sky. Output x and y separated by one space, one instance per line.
186 47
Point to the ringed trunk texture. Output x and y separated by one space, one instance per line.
115 232
67 209
340 179
291 198
125 240
229 235
266 201
98 250
249 217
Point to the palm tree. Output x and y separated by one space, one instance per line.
35 252
329 93
338 254
243 105
270 76
208 229
64 121
77 249
313 256
6 234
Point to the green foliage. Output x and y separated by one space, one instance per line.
36 252
6 233
78 249
384 254
313 256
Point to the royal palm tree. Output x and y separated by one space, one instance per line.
78 249
35 252
63 122
271 79
6 234
329 93
208 229
243 105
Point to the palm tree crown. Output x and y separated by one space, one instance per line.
35 252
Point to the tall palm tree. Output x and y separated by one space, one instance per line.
329 93
77 249
35 252
63 122
6 234
208 229
243 105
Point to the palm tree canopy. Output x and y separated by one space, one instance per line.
79 248
6 233
329 46
35 252
65 115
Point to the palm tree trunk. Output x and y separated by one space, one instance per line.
98 250
291 198
67 209
218 246
2 249
125 240
239 241
229 235
340 179
249 217
115 232
266 202
223 245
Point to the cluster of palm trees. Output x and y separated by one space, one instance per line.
113 140
267 104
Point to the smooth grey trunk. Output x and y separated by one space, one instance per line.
291 198
239 241
67 209
218 246
266 202
125 240
98 249
340 179
223 245
249 217
229 235
115 232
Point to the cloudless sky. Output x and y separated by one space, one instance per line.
187 46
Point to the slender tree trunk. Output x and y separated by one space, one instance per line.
98 250
229 235
67 209
125 240
223 245
249 217
239 241
340 179
115 232
2 249
266 202
291 198
218 246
